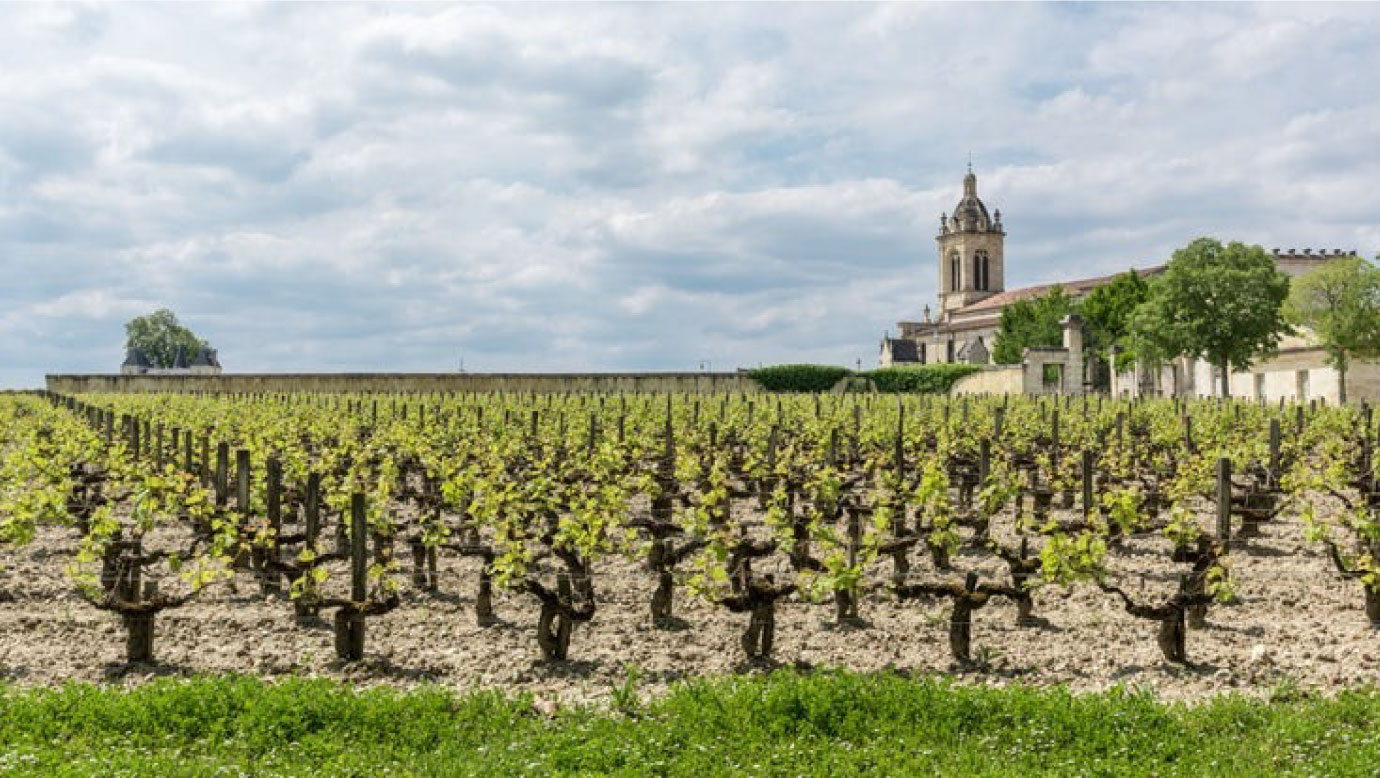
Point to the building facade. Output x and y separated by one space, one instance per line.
971 258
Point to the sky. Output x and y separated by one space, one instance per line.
592 187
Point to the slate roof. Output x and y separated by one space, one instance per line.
135 358
205 357
903 350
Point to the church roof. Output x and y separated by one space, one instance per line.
1292 262
1076 288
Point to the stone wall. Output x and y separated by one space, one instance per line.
998 379
1296 373
407 382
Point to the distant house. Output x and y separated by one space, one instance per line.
204 363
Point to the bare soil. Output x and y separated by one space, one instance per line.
1295 621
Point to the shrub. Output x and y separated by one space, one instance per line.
798 378
922 379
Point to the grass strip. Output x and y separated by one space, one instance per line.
784 723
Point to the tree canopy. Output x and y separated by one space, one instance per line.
1220 303
1107 310
1030 323
1340 303
158 334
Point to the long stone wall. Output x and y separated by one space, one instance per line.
1003 379
407 382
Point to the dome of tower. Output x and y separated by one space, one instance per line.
970 215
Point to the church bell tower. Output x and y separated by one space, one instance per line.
971 267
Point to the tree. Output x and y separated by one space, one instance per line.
1220 303
158 335
1340 303
1107 312
1028 323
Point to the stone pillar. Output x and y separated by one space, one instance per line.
1073 341
1117 384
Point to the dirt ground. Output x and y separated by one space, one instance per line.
1296 622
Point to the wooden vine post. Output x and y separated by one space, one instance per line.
266 552
1274 453
222 483
349 619
1087 476
1224 500
242 558
900 553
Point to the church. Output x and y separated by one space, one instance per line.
972 294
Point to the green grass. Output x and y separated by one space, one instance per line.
784 724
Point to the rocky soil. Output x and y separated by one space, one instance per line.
1296 623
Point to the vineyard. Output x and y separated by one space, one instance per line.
560 542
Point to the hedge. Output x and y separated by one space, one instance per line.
925 379
798 378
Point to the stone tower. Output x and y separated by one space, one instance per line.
970 251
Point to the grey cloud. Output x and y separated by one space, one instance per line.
635 186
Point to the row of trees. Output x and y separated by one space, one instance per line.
1226 304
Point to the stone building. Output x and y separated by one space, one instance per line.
204 363
972 294
972 284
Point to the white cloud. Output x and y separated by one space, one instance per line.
635 186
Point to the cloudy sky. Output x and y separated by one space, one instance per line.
605 187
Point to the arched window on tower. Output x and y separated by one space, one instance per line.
977 272
955 266
982 280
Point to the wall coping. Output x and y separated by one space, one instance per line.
606 374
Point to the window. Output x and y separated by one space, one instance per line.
981 281
954 268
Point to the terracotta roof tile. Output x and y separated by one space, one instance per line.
1075 288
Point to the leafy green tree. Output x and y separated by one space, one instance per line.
1107 312
1340 303
158 335
1029 323
1224 304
